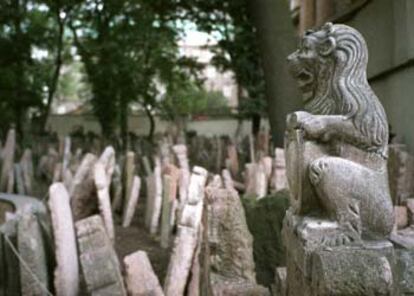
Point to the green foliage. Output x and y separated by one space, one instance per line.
236 49
265 219
190 100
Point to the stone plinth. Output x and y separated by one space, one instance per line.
365 268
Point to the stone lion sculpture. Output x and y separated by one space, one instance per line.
337 148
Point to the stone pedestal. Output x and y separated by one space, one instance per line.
366 268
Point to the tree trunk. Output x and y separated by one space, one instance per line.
277 39
56 73
152 123
256 118
123 117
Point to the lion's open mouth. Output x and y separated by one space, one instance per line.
305 78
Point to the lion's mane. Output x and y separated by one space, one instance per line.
347 91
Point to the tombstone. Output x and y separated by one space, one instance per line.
182 156
401 173
104 201
186 240
99 262
233 159
251 147
67 269
34 272
157 197
140 278
83 193
250 178
26 164
8 160
132 202
228 181
340 206
410 210
18 176
117 189
66 155
230 266
129 177
107 159
261 180
167 202
279 172
10 182
149 205
57 173
174 173
147 165
9 262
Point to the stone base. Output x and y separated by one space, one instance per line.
313 270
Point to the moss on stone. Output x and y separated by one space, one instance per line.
265 219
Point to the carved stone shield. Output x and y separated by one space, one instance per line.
299 154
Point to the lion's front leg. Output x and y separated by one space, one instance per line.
341 186
316 127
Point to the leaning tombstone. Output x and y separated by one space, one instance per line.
129 177
132 202
67 269
230 266
104 201
18 176
186 240
157 198
83 191
26 163
33 262
99 262
140 277
340 206
8 160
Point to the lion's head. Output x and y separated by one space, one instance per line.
330 67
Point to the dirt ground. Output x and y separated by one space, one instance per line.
136 237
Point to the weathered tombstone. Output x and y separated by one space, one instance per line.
167 201
251 147
279 173
104 201
57 173
83 193
10 182
149 205
66 156
117 187
18 176
140 278
26 163
341 209
233 159
67 268
129 177
250 178
34 271
228 181
100 266
9 262
401 173
147 166
230 266
181 154
132 202
261 180
8 160
157 198
187 235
